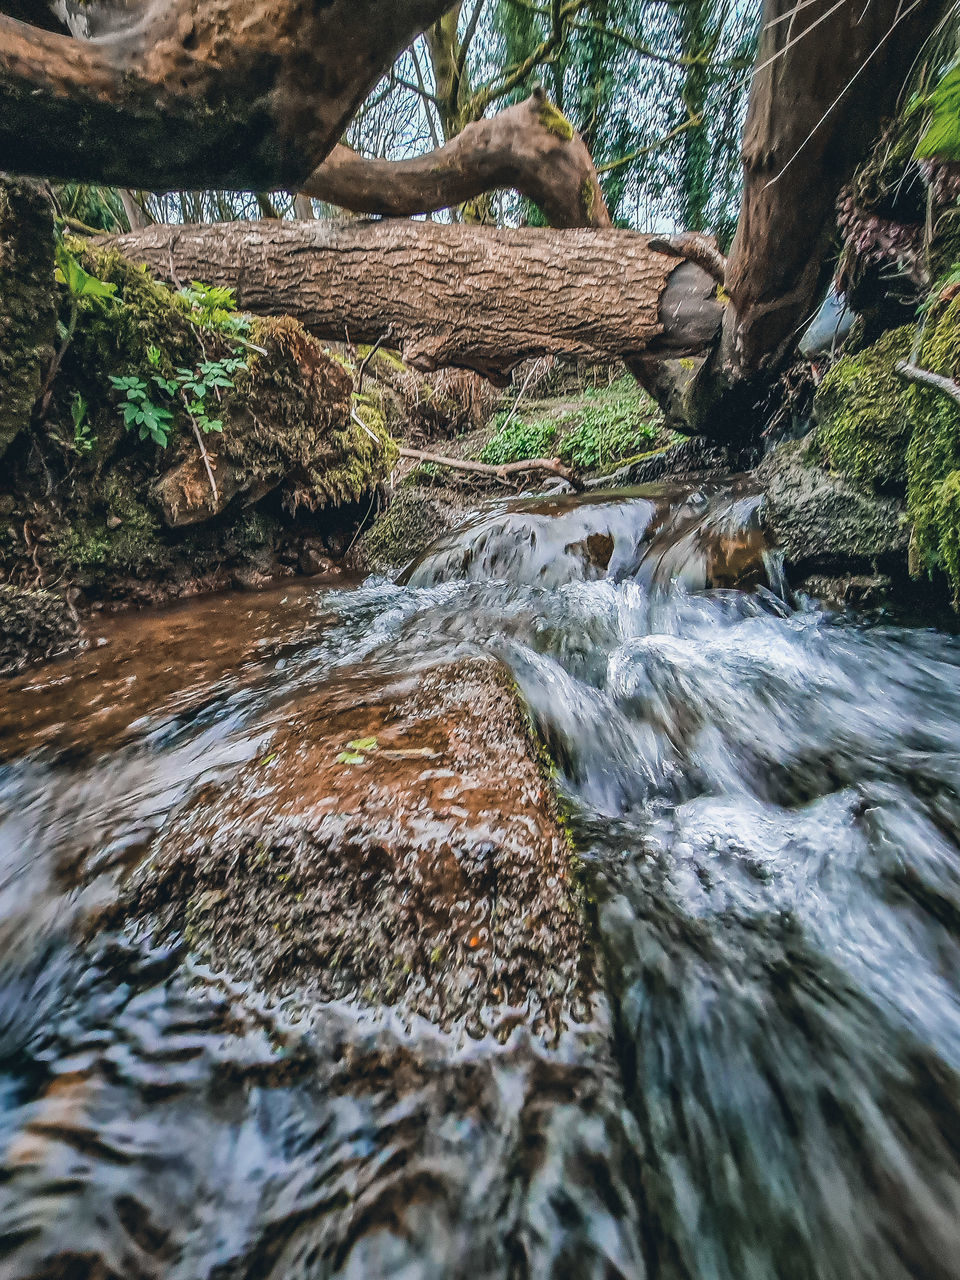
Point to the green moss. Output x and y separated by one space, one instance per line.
933 455
945 245
588 199
414 518
118 535
863 415
555 122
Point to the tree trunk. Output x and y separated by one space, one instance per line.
826 75
444 49
476 297
137 216
249 94
28 310
516 149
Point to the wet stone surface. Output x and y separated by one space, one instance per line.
423 868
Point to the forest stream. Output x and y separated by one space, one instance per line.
304 972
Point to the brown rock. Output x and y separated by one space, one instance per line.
424 867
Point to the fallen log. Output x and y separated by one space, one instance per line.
481 298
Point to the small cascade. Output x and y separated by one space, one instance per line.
655 535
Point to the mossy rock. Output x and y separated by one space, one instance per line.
106 512
862 409
414 518
933 454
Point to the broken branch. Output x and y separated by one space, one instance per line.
552 465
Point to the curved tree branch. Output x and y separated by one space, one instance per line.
515 149
249 94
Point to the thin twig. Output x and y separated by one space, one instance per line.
553 465
204 455
46 391
535 368
926 378
370 354
360 423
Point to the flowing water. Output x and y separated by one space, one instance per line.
765 801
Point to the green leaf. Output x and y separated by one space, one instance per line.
79 282
350 757
941 138
363 744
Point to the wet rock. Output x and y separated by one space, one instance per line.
394 841
858 591
826 526
693 459
34 626
704 536
414 518
313 558
185 495
247 577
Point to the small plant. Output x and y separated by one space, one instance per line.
83 437
214 307
191 387
140 413
79 282
619 423
517 440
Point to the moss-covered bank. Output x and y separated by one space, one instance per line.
111 507
889 436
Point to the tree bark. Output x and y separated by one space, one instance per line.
826 74
249 94
515 149
476 297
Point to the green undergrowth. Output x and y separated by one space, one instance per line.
518 439
608 424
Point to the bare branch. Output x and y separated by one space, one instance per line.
926 378
198 93
501 472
